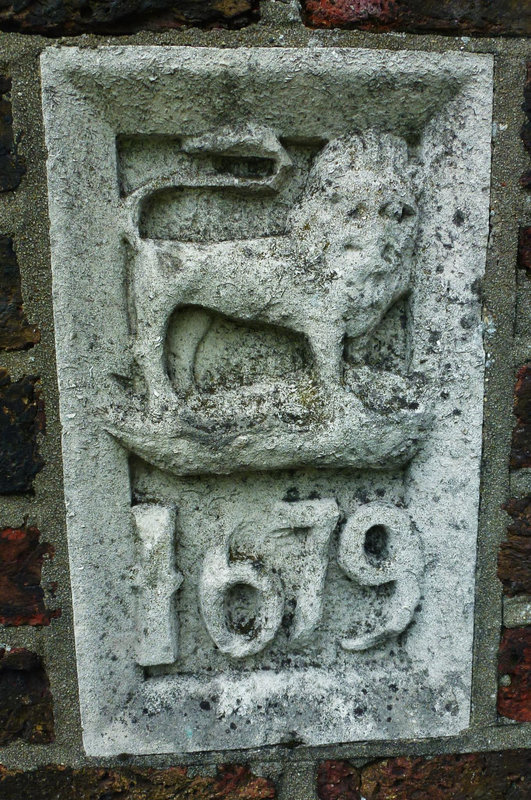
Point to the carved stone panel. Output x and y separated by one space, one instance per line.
266 267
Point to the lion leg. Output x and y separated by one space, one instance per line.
184 338
328 356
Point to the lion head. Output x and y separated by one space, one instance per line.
358 218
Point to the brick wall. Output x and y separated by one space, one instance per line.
39 725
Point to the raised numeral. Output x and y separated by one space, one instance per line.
313 519
156 581
378 545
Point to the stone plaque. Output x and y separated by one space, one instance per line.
266 273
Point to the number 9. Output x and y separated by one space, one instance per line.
378 545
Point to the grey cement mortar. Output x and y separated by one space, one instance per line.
26 210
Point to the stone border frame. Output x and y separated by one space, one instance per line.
62 76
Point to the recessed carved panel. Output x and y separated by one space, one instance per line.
271 397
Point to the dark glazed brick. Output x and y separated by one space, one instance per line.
11 166
514 558
21 594
337 780
514 668
524 250
15 331
483 17
525 180
521 442
514 565
71 17
473 776
21 419
63 783
26 708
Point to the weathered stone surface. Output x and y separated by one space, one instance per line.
21 593
338 780
485 776
71 17
15 331
26 706
21 420
280 392
12 167
232 782
486 17
514 666
521 441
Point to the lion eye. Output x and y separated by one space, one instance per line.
408 211
397 211
357 213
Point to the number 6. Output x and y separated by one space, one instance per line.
218 576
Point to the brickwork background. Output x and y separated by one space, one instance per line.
40 742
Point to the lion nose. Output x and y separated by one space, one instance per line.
352 243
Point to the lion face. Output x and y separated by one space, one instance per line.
365 223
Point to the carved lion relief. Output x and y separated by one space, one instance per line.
342 261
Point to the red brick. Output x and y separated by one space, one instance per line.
232 782
15 331
364 14
21 593
457 17
521 441
337 780
520 511
514 661
473 776
21 420
26 707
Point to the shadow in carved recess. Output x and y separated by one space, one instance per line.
208 352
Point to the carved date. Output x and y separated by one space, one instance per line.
156 581
377 546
